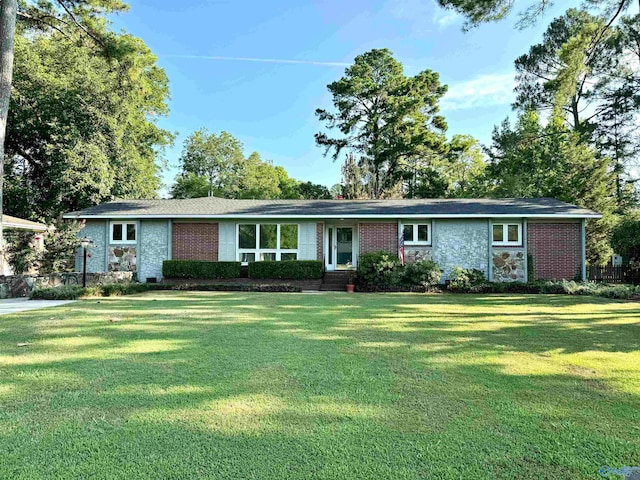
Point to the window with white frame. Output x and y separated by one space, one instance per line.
263 242
123 232
507 233
417 233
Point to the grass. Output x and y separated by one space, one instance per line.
234 385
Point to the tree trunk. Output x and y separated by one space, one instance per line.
8 10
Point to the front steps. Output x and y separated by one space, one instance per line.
335 281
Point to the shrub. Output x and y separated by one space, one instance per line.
74 292
464 279
553 287
288 269
200 269
60 245
377 269
228 287
425 273
66 292
381 271
20 251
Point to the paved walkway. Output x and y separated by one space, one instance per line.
14 305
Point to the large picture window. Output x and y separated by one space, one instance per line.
267 242
123 232
507 234
417 233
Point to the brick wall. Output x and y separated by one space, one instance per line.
320 241
555 250
378 236
195 241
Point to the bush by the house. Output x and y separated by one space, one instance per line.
463 279
553 287
200 269
55 255
231 287
378 269
381 271
287 270
425 272
74 292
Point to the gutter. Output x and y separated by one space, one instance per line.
332 216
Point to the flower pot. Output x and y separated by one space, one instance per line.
350 288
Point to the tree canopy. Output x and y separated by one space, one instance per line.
384 118
82 118
214 165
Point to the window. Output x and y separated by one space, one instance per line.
267 242
123 232
417 233
507 233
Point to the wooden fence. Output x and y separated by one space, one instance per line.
611 274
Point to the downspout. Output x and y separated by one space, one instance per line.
398 235
170 239
526 250
107 241
583 238
490 250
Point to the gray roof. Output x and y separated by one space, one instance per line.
213 207
9 222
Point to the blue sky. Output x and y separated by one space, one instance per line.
297 48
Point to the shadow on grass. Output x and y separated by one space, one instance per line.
294 386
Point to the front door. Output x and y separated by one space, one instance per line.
340 251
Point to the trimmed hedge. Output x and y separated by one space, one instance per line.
622 292
200 269
230 287
288 269
74 292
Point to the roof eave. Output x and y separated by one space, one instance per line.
332 216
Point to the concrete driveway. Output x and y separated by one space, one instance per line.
14 305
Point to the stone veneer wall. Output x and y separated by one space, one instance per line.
96 230
378 236
555 250
195 241
508 265
416 253
14 286
320 241
122 258
460 243
154 248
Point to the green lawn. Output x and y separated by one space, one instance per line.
234 385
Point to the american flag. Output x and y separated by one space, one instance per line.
401 249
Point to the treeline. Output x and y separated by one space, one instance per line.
215 165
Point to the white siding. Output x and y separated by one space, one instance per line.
307 247
227 242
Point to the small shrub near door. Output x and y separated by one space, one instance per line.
287 270
200 269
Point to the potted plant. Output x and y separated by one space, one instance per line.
350 285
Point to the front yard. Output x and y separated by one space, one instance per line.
230 385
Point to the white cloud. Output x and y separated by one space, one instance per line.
444 18
482 91
419 14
